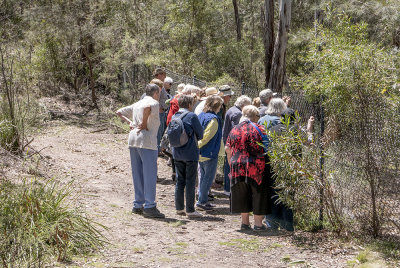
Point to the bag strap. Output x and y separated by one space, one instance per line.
259 131
183 115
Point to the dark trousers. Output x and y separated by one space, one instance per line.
186 172
279 214
227 171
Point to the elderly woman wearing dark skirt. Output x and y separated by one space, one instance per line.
247 162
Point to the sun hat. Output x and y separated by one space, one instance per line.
212 91
226 90
168 80
158 71
266 94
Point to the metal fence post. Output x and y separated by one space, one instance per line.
321 163
194 80
243 88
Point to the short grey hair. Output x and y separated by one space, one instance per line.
195 89
187 89
185 101
151 89
276 107
242 101
265 95
249 112
180 87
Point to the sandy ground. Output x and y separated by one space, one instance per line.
97 160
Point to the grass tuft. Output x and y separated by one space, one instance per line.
37 224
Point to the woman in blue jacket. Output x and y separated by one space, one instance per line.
186 158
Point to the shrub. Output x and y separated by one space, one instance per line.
37 223
355 80
296 170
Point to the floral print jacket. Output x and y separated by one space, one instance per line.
247 154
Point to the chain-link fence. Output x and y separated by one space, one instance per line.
362 166
359 185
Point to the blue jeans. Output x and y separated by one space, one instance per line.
227 170
161 129
144 174
186 172
208 170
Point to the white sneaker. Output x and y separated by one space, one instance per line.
227 193
194 214
181 212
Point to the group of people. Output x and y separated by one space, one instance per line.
207 129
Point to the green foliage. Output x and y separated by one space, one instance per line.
37 223
20 113
226 79
347 65
354 78
296 172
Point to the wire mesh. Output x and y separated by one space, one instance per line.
359 152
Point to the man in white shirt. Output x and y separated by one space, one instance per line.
143 149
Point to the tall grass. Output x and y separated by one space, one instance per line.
37 225
7 133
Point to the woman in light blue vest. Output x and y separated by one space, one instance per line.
209 148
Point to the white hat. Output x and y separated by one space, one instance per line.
168 80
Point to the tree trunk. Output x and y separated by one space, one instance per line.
278 68
93 90
237 21
267 17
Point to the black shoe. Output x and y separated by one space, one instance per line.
245 227
152 213
260 228
205 207
137 211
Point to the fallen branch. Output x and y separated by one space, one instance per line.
38 152
27 144
99 130
396 224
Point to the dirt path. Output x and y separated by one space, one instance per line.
99 164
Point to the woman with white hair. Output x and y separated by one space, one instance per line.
247 162
180 87
275 108
232 118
